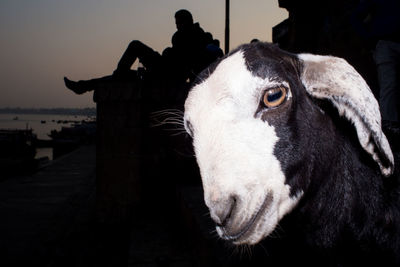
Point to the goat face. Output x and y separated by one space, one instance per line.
245 117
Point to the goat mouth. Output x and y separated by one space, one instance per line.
246 230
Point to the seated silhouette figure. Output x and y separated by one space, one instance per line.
181 62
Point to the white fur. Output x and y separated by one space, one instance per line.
234 149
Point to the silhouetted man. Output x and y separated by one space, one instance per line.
184 60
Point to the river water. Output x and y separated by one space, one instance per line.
41 124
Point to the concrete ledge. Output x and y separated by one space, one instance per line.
38 212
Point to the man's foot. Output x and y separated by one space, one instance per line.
76 87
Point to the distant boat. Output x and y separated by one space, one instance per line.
43 121
16 118
70 138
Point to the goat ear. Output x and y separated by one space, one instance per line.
332 78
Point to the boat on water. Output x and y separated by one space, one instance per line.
70 138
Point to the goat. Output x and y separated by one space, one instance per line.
280 136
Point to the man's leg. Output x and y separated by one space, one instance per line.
387 56
135 49
84 86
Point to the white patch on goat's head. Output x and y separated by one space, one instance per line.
244 185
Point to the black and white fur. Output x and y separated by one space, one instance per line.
260 164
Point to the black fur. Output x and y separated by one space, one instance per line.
349 213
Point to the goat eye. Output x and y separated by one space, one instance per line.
274 97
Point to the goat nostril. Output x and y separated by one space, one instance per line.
226 211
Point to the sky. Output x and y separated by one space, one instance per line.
44 40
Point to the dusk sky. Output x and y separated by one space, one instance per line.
44 40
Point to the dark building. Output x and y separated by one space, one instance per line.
327 28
